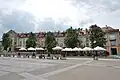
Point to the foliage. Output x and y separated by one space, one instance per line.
71 39
6 41
31 41
97 36
50 41
0 47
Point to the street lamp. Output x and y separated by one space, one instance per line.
94 42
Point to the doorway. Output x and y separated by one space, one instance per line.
113 51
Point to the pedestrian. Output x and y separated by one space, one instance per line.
95 55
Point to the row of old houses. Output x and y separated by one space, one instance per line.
112 36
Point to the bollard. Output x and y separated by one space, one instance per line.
30 56
21 56
11 55
37 57
15 56
2 56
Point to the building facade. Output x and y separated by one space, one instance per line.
85 42
60 36
13 37
113 40
112 37
83 36
19 39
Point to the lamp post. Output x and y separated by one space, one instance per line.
96 53
94 42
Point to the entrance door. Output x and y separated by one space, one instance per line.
113 51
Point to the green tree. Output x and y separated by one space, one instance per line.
31 41
6 41
97 36
50 41
1 46
71 39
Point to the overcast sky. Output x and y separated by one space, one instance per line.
54 15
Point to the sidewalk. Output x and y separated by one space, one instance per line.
85 58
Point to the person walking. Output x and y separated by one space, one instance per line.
95 55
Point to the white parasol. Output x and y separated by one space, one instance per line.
31 49
99 49
40 49
67 49
22 49
87 49
57 48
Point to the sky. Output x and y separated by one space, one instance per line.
57 15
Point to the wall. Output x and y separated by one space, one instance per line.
22 42
113 41
40 42
85 40
60 41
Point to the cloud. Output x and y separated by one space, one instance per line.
13 17
48 24
11 4
17 20
111 19
21 21
101 12
83 23
54 15
93 7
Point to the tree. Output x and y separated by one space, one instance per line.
97 36
6 41
0 48
31 41
87 31
50 41
71 39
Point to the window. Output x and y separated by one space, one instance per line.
15 43
61 44
87 43
113 43
20 43
106 36
112 37
24 42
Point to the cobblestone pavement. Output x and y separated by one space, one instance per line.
72 68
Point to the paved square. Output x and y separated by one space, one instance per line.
70 69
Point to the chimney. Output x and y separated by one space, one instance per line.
106 26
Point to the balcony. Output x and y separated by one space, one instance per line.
112 39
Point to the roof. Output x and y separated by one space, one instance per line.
11 31
109 29
23 35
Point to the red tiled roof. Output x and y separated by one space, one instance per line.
40 34
23 35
